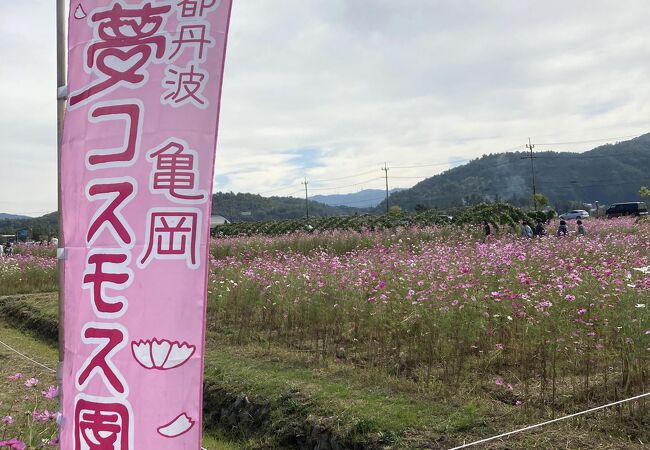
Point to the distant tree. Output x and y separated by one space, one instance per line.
541 200
420 208
395 210
644 192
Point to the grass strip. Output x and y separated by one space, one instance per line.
37 313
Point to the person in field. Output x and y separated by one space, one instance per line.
581 228
562 230
526 230
487 229
539 228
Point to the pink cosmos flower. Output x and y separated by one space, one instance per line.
52 392
499 381
15 377
31 382
8 420
44 416
14 444
570 298
499 346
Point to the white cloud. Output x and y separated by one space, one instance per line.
362 82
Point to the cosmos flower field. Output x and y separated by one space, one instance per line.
547 321
552 323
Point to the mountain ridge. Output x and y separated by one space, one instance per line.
366 198
607 174
8 216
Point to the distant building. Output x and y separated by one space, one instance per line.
217 220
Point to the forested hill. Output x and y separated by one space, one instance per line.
609 173
243 207
231 206
38 228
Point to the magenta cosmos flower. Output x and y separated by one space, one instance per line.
31 382
52 392
13 444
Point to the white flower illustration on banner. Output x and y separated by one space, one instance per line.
161 354
177 427
79 12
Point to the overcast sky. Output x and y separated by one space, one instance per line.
333 88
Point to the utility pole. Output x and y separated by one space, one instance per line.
61 85
386 169
306 197
532 157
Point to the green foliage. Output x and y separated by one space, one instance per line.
541 200
38 228
644 192
544 216
254 208
498 214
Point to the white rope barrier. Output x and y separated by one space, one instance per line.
27 357
482 441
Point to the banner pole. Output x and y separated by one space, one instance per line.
61 103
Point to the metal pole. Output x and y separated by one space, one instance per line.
306 198
530 146
385 169
61 103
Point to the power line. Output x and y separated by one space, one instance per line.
432 164
288 186
343 178
356 202
446 163
460 161
591 141
289 195
278 189
604 185
348 185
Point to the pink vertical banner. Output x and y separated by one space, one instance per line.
137 168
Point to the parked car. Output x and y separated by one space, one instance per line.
575 214
627 209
